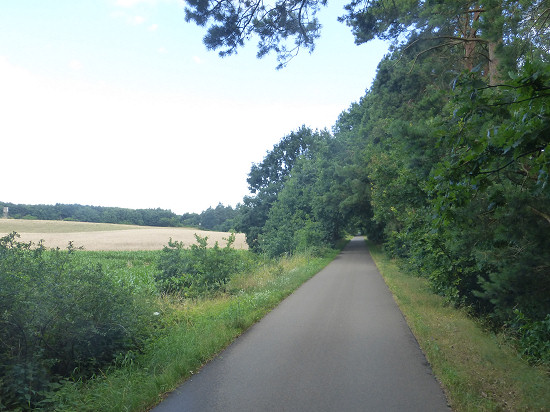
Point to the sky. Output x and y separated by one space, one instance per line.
119 103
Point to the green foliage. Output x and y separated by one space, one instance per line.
490 193
231 23
267 179
59 320
94 214
221 218
194 330
200 269
479 369
533 337
445 159
132 269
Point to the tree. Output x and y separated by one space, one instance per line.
480 29
491 191
232 22
219 218
307 212
477 28
267 179
278 163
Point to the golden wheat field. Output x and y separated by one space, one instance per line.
105 236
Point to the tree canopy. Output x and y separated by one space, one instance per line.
477 30
444 160
232 22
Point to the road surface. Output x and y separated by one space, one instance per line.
339 343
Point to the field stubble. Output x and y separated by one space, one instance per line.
105 236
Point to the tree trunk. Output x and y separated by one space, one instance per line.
470 35
494 63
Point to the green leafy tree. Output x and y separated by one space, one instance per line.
477 29
268 178
492 187
220 218
283 26
492 34
289 214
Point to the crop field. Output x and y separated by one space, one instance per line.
105 236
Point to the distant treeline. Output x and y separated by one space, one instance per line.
220 218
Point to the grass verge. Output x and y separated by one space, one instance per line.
478 370
193 332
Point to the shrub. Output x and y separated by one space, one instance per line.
58 320
200 269
533 337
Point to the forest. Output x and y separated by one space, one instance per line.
219 218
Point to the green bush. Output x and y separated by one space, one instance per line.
200 269
59 320
533 338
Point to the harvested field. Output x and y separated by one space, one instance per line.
104 236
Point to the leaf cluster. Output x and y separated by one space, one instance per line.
59 320
282 26
200 269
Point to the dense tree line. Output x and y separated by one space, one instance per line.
219 218
444 160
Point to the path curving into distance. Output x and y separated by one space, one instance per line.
338 343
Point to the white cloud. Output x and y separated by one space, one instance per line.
133 3
75 65
89 143
134 20
137 20
128 3
153 27
162 50
197 59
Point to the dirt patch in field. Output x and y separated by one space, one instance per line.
110 237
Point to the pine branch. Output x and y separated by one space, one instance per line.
542 214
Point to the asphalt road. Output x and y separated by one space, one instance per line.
339 343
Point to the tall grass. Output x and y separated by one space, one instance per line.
190 333
479 370
134 269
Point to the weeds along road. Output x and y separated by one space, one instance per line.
339 343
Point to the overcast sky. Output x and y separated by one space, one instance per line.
118 103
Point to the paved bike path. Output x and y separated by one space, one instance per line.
338 343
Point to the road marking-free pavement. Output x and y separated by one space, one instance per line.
338 343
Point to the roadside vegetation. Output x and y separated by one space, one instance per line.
92 331
480 370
